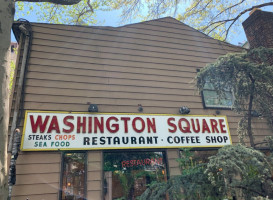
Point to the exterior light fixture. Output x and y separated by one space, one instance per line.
184 110
93 108
140 108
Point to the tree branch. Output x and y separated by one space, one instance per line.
195 6
220 23
53 12
60 2
250 189
82 13
226 10
233 20
90 6
197 11
249 116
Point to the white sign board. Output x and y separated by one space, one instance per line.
45 131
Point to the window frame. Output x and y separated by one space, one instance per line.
62 171
164 152
220 107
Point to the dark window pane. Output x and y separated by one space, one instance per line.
127 175
73 182
212 99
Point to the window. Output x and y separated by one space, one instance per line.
212 100
127 175
73 176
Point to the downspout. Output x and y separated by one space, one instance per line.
25 30
15 136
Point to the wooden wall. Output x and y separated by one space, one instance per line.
151 63
37 176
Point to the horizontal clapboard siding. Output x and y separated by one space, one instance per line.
133 43
94 175
37 175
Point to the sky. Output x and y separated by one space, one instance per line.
112 18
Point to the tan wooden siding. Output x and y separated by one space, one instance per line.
94 175
127 50
173 165
44 196
147 40
38 175
133 43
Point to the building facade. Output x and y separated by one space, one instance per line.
91 82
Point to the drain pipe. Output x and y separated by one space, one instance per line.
14 155
24 31
15 136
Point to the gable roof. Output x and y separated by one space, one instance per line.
169 25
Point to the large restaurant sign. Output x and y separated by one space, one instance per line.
45 131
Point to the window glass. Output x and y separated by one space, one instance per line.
73 177
212 100
127 175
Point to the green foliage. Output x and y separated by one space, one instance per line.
82 13
12 69
193 183
249 75
235 171
238 170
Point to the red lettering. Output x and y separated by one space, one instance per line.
81 124
187 128
193 125
89 124
98 124
69 124
151 125
115 127
125 119
145 161
172 125
222 126
213 124
39 124
142 125
160 160
205 127
138 162
54 125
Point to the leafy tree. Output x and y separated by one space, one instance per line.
235 171
238 169
193 183
249 76
82 13
214 17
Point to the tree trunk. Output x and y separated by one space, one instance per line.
6 18
249 114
